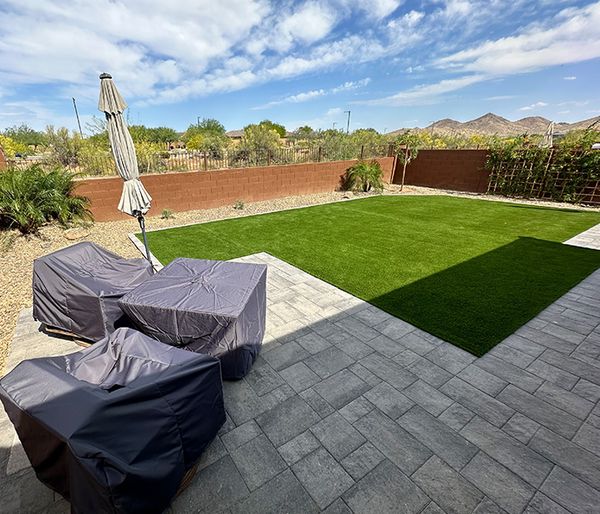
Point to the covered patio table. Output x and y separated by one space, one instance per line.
212 307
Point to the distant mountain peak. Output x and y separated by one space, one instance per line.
493 124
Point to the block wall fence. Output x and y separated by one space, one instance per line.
457 170
208 189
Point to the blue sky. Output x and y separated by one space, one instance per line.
393 63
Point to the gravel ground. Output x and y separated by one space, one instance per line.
18 252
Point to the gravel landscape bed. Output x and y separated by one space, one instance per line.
18 252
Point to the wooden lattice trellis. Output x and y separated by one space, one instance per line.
543 174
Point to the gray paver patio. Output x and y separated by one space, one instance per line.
351 410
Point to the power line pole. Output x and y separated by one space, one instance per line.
198 120
334 124
347 122
77 116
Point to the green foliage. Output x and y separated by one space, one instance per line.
239 205
260 138
25 135
364 176
33 196
94 158
167 214
65 147
143 134
11 147
368 141
207 136
148 156
208 126
336 145
304 133
268 124
196 142
519 168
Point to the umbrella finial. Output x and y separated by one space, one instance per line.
105 76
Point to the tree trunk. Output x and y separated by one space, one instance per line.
404 168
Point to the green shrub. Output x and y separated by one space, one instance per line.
364 176
238 205
167 214
33 196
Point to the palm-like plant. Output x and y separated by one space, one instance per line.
364 176
33 196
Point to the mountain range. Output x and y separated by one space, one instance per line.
492 124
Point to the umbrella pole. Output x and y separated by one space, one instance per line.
142 223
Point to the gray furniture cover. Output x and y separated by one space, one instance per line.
212 307
114 428
77 289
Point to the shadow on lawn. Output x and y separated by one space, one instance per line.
480 302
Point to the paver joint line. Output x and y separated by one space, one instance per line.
344 396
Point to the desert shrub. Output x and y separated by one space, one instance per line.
11 147
364 176
33 196
64 146
167 214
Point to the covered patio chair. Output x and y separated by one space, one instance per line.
116 427
76 290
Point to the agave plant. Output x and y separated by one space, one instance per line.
364 176
33 196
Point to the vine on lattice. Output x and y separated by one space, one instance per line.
567 172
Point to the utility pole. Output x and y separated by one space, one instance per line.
198 121
347 122
334 124
77 116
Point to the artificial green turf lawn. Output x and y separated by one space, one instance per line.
468 271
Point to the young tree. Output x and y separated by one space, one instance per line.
25 135
260 138
304 133
280 129
407 147
212 126
207 136
162 135
208 126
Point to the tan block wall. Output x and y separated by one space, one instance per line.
209 189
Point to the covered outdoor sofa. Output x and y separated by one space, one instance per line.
77 289
114 428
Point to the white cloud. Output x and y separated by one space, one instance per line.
316 93
351 85
500 97
533 106
573 37
377 9
426 93
570 78
160 54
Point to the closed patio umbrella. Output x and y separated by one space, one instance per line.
135 200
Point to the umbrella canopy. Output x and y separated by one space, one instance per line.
135 200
